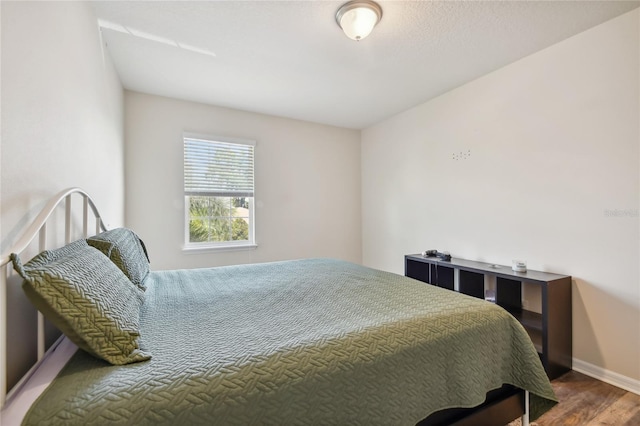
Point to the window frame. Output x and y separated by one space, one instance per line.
218 245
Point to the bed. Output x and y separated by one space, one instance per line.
310 341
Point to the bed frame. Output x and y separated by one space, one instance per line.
502 405
38 228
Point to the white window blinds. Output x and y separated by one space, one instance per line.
218 169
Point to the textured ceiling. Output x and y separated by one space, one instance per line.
290 58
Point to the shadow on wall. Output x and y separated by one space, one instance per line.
592 317
14 220
21 331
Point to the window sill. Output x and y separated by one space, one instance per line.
211 249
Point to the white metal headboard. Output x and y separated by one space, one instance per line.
38 228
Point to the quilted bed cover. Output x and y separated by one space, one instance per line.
300 342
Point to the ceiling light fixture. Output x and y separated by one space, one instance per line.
358 17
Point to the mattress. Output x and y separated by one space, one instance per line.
315 341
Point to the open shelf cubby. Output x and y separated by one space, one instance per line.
549 330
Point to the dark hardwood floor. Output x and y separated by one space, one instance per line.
585 401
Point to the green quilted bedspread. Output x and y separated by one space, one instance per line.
302 342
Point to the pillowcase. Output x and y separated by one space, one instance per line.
126 250
88 298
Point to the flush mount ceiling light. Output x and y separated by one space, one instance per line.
357 18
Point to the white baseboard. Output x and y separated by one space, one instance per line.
607 376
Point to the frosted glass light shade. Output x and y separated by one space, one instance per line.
357 18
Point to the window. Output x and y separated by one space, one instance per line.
218 192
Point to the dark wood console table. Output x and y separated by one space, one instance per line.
550 330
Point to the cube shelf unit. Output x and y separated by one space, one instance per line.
550 330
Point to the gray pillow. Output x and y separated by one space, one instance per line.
126 250
88 298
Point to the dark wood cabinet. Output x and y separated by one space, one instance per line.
550 329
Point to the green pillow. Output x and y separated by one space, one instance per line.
88 298
126 250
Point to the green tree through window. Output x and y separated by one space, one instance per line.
215 219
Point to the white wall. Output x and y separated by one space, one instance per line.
552 144
61 126
62 112
307 180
